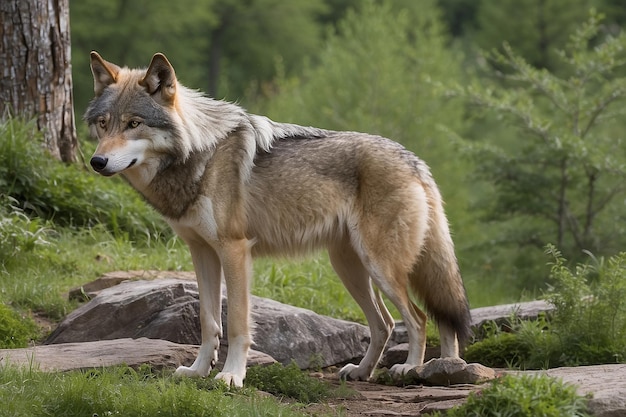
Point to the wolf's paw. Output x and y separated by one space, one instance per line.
185 371
230 379
400 369
354 372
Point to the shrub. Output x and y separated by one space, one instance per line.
15 331
587 327
526 396
525 345
590 309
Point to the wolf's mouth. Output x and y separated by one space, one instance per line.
133 162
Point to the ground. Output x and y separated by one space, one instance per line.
379 400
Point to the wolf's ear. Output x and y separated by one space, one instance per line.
160 78
104 73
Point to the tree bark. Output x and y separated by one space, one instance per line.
35 70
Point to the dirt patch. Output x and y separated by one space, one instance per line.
378 400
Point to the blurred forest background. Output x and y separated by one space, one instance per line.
517 105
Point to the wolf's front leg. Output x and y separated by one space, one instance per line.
209 275
237 265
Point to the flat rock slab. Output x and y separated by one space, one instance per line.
500 314
131 352
607 384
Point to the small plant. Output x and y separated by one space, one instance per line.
526 396
288 381
15 331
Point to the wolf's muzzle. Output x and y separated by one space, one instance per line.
98 163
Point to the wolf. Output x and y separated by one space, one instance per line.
234 185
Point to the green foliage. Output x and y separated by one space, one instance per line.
15 331
127 392
526 396
524 345
231 46
67 194
558 176
590 315
288 381
587 327
18 232
39 279
545 26
501 350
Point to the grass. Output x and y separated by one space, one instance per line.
123 391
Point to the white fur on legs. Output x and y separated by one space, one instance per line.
207 357
234 371
415 320
449 342
237 265
209 275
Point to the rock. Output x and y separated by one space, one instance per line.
132 352
451 371
110 279
168 309
501 314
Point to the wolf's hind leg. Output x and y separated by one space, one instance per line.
449 341
209 276
356 279
415 321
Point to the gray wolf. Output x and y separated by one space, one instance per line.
234 185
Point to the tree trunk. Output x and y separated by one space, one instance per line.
35 70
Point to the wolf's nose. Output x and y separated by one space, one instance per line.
98 163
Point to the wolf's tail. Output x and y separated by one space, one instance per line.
436 278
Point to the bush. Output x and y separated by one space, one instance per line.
590 315
525 396
525 345
15 331
70 195
587 327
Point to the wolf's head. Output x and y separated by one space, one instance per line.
134 116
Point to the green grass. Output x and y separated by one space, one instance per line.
123 391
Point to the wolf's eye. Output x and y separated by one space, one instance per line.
102 123
133 124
